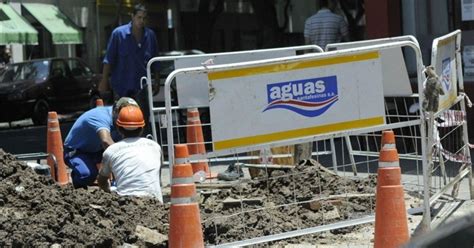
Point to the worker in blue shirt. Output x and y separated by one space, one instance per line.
89 136
130 48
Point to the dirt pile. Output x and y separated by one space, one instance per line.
36 212
285 202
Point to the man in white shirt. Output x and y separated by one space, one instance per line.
134 161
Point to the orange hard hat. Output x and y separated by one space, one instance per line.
130 118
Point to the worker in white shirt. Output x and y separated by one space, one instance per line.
134 161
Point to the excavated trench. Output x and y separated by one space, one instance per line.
34 211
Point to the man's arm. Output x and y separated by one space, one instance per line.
104 82
110 59
105 138
104 173
103 183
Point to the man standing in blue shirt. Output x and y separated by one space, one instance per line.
130 48
90 135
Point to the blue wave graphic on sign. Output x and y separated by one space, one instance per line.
446 73
307 97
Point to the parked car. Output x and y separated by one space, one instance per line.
32 88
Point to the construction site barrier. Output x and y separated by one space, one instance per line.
195 89
359 147
236 66
256 146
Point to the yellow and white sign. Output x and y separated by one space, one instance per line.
298 98
444 61
193 88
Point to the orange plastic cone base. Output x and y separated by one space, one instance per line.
203 166
54 145
391 226
211 175
185 226
200 166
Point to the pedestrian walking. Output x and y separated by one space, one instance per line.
129 49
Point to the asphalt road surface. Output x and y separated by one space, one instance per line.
22 137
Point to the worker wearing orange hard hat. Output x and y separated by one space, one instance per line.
134 161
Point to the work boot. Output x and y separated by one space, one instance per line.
233 172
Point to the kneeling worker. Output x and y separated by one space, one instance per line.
134 161
90 135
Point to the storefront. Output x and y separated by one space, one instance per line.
15 29
58 35
37 30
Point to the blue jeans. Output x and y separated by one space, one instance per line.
83 165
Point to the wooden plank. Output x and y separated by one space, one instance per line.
228 202
283 150
209 192
335 200
254 171
215 185
269 166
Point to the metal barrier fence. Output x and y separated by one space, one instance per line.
158 114
315 197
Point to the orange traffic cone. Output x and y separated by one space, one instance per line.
185 221
99 102
391 226
195 140
55 147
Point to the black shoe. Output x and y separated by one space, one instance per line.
233 172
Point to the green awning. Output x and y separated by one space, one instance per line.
62 29
14 28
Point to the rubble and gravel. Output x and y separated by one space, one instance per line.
307 196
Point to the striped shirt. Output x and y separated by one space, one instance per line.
325 27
